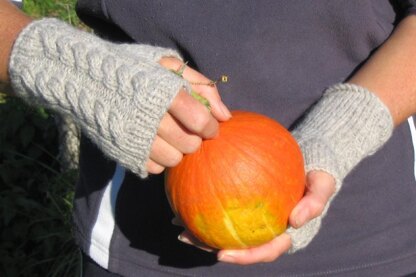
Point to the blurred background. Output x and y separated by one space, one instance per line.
38 171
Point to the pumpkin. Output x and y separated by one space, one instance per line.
238 189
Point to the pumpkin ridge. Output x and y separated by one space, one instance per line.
230 225
228 221
227 218
241 149
238 190
266 222
238 149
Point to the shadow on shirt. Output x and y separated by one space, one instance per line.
144 216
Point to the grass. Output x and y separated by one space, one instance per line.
63 9
35 196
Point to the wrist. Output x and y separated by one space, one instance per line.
348 124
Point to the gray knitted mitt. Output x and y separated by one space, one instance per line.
118 94
348 124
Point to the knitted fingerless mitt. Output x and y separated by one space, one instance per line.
348 124
118 94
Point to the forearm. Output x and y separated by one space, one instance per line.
352 121
12 21
391 72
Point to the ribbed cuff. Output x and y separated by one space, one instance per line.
348 124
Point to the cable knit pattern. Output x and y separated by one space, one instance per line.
348 124
118 94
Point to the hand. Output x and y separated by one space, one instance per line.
348 124
320 186
187 121
117 93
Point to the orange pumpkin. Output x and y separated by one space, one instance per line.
238 189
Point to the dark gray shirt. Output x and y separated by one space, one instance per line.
279 56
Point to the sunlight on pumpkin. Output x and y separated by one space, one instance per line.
238 189
243 225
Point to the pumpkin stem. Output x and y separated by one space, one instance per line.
196 95
201 99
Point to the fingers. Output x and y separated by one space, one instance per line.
180 132
187 122
262 254
320 186
153 167
164 154
201 85
176 135
188 238
177 221
195 117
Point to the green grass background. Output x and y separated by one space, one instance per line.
35 195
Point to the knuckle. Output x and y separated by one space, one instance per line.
174 159
180 100
193 145
317 207
201 121
155 169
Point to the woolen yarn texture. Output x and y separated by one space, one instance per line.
348 124
117 93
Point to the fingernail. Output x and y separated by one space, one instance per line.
227 257
175 221
184 239
225 110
